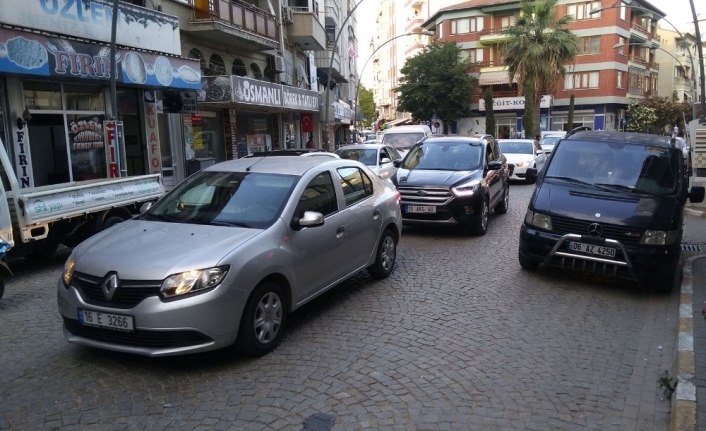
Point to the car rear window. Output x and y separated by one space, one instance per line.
402 141
364 156
515 147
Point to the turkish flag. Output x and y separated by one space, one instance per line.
307 122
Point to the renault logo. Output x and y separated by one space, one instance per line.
109 285
595 229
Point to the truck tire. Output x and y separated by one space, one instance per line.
112 221
44 249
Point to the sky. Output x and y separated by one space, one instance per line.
678 13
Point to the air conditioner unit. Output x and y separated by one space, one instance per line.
287 15
276 63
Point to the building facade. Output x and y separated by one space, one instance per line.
678 77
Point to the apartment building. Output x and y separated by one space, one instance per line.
604 80
198 82
679 68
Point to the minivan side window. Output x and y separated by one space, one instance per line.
356 185
319 196
490 152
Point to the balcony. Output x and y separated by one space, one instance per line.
492 66
333 14
492 36
306 30
413 23
639 61
235 23
654 66
323 59
638 33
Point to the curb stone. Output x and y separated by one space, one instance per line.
684 399
693 212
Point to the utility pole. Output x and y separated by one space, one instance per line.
700 51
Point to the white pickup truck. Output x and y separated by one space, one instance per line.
35 221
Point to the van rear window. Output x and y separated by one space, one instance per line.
402 141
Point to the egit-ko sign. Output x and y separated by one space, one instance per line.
513 103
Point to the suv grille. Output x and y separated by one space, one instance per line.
564 225
137 338
128 294
425 195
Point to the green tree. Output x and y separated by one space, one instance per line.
641 117
528 116
538 50
668 112
570 120
489 113
367 107
435 82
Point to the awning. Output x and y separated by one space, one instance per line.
398 122
495 78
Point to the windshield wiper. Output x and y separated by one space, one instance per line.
229 223
572 181
159 217
618 187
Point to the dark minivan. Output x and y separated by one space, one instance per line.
610 202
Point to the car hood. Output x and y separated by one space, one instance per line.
634 210
423 177
517 158
152 250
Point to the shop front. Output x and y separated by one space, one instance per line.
341 117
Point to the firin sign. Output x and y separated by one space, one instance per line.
113 131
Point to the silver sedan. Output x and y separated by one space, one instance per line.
227 255
379 158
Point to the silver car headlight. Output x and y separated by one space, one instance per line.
466 189
68 270
192 281
659 237
539 220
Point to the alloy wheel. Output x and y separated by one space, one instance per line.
268 318
388 253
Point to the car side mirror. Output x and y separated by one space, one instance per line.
494 165
397 163
696 195
539 152
384 160
308 219
145 207
531 174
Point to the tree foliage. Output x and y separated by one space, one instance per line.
668 112
367 106
640 117
538 50
489 112
435 82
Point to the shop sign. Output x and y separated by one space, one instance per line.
138 27
215 89
86 133
513 103
24 165
254 92
152 131
113 129
300 99
30 54
188 101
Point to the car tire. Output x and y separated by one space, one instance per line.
263 320
526 263
112 221
385 256
480 226
666 278
2 287
502 207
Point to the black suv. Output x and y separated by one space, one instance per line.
610 202
453 180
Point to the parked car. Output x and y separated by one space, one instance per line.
454 181
402 138
549 140
686 152
306 152
523 154
379 158
610 202
227 255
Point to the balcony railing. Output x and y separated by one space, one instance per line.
241 15
489 31
654 66
638 60
638 27
491 63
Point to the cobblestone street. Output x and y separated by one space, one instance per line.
458 338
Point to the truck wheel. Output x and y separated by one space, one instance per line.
112 221
44 249
527 264
264 317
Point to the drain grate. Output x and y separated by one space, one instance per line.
691 247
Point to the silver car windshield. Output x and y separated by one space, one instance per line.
616 166
515 147
226 199
364 156
451 156
402 141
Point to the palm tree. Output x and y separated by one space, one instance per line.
538 51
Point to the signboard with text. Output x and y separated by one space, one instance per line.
513 103
113 130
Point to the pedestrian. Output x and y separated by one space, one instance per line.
537 138
310 142
675 131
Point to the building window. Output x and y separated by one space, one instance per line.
473 55
196 54
507 21
581 80
467 25
621 48
590 45
620 79
256 72
239 68
582 10
216 66
623 12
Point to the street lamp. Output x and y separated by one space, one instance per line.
649 46
628 3
357 90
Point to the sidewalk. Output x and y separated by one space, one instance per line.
689 401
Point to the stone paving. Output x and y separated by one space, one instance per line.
458 338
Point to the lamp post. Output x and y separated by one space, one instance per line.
360 76
627 3
327 143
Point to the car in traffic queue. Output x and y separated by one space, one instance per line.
225 256
379 158
402 138
611 203
454 181
549 140
304 152
522 154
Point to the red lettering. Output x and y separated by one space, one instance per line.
153 137
114 170
112 154
150 109
153 148
155 162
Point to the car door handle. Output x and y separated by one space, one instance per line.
376 214
341 231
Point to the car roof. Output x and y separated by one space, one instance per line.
471 139
622 137
361 147
527 141
286 165
289 152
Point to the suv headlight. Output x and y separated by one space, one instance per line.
68 270
659 237
466 189
541 221
192 281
